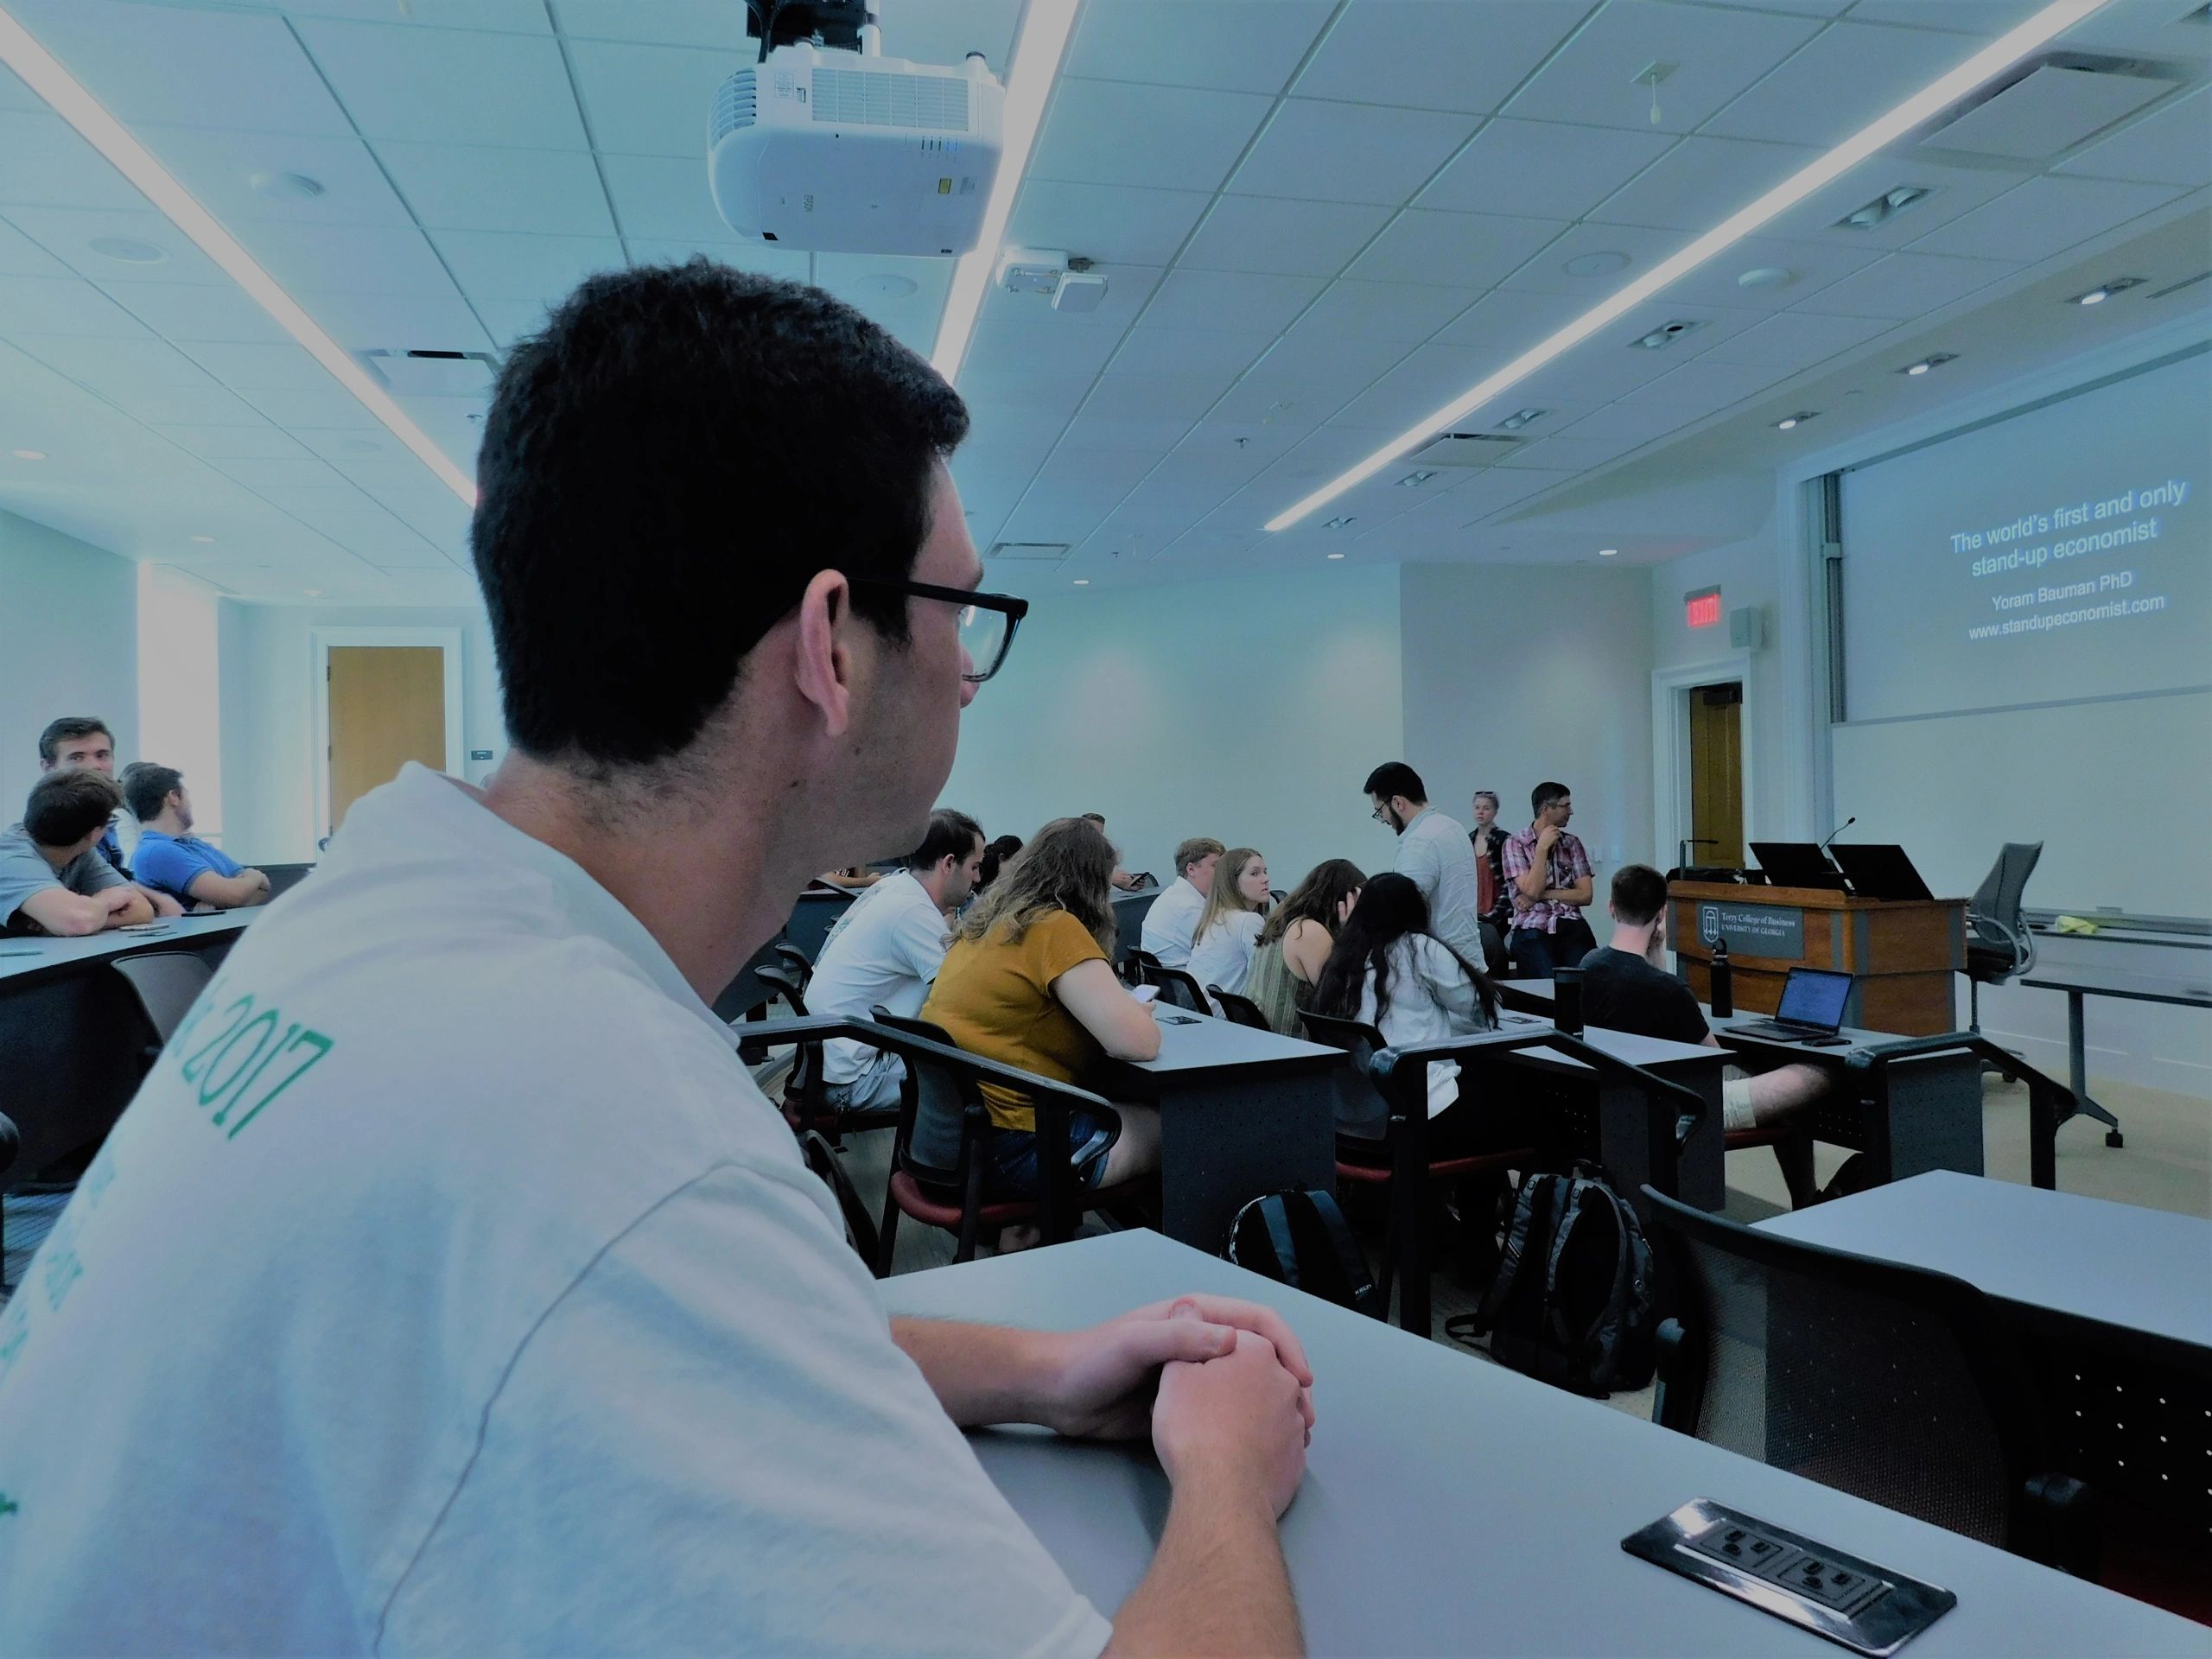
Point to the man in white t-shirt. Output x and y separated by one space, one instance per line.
1434 850
1173 917
885 951
448 1284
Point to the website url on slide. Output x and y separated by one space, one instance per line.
2068 618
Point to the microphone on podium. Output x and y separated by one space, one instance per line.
1839 830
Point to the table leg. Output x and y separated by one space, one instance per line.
1222 1144
2077 1070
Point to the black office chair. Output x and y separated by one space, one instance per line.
1176 987
2000 947
1239 1010
167 983
794 962
1890 1383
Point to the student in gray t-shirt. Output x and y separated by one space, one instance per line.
52 878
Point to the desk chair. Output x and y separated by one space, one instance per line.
166 983
1177 989
2000 947
1239 1010
793 961
1890 1383
937 1160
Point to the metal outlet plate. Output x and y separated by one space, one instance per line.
1871 1610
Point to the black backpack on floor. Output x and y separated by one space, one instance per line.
1572 1300
1301 1239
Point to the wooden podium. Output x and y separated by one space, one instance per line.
1904 953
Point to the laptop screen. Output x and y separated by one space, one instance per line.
1811 997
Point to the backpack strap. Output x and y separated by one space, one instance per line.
1554 1318
1275 1210
1359 1284
1535 1190
1604 1335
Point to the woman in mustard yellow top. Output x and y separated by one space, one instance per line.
1029 981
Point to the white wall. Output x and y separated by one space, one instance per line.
68 645
1515 675
179 716
1247 709
267 713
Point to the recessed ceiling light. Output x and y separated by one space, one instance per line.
204 540
1665 335
1789 423
312 592
1414 480
1607 552
1336 556
128 249
1343 523
1766 276
29 454
1933 360
285 187
1890 202
1825 170
1602 263
1521 417
1083 582
2104 291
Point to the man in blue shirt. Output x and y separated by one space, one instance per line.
171 859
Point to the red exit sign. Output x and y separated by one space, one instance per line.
1702 609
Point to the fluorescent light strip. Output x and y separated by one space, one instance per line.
1999 54
73 104
1044 30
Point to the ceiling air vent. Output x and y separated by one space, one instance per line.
1045 551
1466 449
2175 287
421 373
2061 102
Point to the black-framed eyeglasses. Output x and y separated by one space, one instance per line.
988 621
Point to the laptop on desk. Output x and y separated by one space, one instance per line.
1813 1001
1880 870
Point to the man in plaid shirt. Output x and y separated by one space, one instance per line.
1549 875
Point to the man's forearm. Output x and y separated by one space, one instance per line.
980 1373
1217 1584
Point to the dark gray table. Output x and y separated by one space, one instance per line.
1453 1506
1241 1113
2080 984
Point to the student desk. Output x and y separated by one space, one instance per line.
72 1031
1241 1113
1453 1506
2113 1301
2081 982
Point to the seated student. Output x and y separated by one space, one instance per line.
1625 987
1295 941
1122 879
1173 917
885 950
1029 980
1386 970
173 861
52 879
84 740
996 857
1229 927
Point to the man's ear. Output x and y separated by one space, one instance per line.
823 668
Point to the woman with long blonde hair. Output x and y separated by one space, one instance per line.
1229 927
1029 981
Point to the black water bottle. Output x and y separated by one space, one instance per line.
1724 981
1566 1000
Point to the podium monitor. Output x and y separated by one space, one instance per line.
1880 870
1797 864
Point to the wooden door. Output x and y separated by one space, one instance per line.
1717 774
387 707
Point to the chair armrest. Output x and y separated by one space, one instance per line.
11 1143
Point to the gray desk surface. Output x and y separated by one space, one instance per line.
2121 982
1452 1506
1621 1045
23 957
1208 1045
2089 1257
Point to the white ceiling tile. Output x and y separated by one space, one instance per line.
787 263
350 259
2172 145
1475 250
219 168
1642 246
264 472
1797 340
650 100
44 164
458 186
1970 16
1151 350
451 87
261 366
1701 182
454 425
1508 321
1315 373
1811 267
1468 54
512 16
1853 72
183 311
1714 325
2151 28
21 256
407 477
1165 137
378 538
1236 46
49 305
330 405
1541 169
662 197
233 442
69 234
1424 382
2044 217
1409 312
1159 433
1245 300
109 367
670 22
313 501
1952 191
1567 453
1704 384
1597 370
492 265
1283 237
207 405
15 95
1104 221
347 448
508 320
186 66
1180 396
1348 152
1024 346
1046 399
943 33
1717 53
1629 424
1907 285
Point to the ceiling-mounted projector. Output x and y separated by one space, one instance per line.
847 152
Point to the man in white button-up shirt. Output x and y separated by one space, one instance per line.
1433 850
1175 915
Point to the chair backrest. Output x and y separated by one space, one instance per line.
1361 1110
1239 1010
932 1146
11 1142
283 878
1177 988
1994 909
1887 1382
166 983
781 981
794 962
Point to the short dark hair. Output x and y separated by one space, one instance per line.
1098 818
952 833
1544 794
66 806
146 788
1396 778
716 434
1639 895
59 731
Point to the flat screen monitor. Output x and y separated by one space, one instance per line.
1797 864
1880 870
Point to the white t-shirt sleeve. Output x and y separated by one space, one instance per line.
711 1444
919 941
